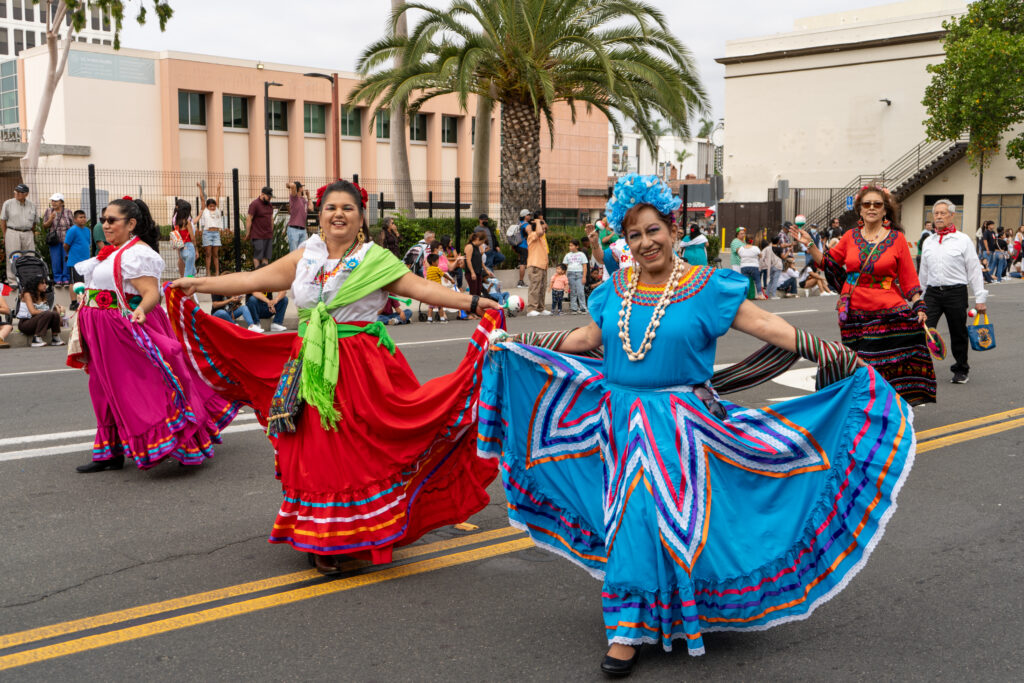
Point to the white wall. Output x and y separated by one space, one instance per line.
316 157
236 151
351 158
192 150
279 155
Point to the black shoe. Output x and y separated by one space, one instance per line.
959 378
114 463
619 668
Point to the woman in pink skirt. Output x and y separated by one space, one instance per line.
148 400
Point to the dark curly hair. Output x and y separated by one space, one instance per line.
32 288
892 207
145 229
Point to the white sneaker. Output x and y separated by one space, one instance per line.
545 312
533 314
37 342
274 327
56 341
256 328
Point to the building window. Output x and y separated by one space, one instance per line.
384 125
9 93
19 41
472 131
418 128
314 118
95 15
15 9
236 112
106 42
30 13
3 9
106 20
191 108
30 39
3 42
450 129
278 115
350 122
95 41
1006 210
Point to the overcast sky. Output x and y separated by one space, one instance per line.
330 34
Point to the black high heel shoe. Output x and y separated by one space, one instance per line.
114 463
620 668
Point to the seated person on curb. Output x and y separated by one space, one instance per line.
790 277
265 305
6 326
393 314
35 316
231 308
811 277
435 274
492 286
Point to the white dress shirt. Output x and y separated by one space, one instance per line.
953 261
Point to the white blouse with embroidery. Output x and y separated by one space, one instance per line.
307 290
138 261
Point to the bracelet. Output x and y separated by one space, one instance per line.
919 306
474 302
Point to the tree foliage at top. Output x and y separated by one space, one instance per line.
78 10
979 88
605 54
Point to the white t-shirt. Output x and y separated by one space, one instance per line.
307 290
211 220
574 261
621 253
138 261
748 254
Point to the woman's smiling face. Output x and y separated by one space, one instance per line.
340 217
650 239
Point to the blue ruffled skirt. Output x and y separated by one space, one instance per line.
694 523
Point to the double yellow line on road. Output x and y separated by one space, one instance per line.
490 544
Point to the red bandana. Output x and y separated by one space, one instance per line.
942 232
105 252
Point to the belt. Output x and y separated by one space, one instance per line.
28 229
946 288
107 298
869 280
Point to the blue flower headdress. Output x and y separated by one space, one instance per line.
636 189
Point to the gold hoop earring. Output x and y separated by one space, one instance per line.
361 235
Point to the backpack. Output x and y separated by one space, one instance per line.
514 235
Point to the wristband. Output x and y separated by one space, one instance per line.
474 302
919 306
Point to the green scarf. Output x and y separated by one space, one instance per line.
320 333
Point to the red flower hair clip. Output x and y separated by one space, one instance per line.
127 198
363 196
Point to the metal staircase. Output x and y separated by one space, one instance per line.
903 177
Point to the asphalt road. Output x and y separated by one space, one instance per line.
941 598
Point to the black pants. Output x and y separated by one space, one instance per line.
951 301
39 323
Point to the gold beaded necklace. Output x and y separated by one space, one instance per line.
626 310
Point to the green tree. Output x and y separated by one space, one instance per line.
55 13
399 150
706 127
978 89
528 55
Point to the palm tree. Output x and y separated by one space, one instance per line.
681 156
706 127
399 150
527 56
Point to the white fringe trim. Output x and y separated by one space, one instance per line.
648 640
561 552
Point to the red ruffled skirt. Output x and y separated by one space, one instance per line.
403 459
149 402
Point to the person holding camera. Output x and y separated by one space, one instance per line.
537 265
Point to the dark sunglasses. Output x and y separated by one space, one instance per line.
110 220
872 205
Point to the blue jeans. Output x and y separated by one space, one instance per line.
789 286
188 255
296 236
493 257
58 259
260 310
240 312
387 317
577 299
753 273
998 265
500 297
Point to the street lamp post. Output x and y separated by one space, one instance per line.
266 121
335 119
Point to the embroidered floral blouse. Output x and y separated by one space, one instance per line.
885 278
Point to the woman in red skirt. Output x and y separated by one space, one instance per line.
368 457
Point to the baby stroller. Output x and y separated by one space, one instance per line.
27 266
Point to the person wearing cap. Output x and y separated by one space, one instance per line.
56 221
18 221
734 248
493 256
260 227
299 208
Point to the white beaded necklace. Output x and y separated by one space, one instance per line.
659 310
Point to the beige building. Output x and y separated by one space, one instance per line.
837 102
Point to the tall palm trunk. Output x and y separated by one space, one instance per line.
482 157
399 130
520 160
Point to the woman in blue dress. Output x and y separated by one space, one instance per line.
698 515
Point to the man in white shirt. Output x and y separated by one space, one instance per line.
949 263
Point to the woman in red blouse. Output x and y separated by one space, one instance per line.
881 310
